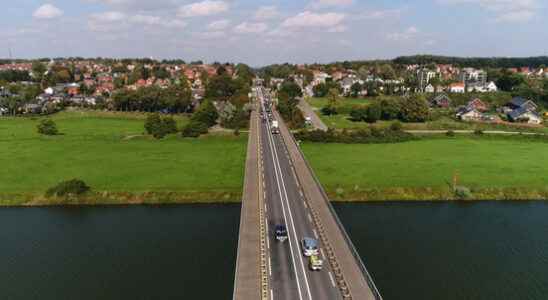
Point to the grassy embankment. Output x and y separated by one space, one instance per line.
343 121
493 168
110 153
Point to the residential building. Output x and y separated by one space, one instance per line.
525 116
457 88
424 77
441 101
473 76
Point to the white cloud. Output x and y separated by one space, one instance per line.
156 21
47 11
408 34
310 19
106 21
505 10
246 27
218 25
266 13
380 14
204 8
316 4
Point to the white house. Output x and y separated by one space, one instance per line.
429 89
491 87
469 114
49 91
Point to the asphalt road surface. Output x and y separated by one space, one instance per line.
289 272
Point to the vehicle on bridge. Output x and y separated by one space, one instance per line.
315 263
274 127
310 246
281 233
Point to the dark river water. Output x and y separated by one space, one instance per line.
414 251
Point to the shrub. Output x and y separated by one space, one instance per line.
450 133
73 186
373 113
462 193
362 136
396 126
160 127
194 129
478 132
47 127
358 114
329 110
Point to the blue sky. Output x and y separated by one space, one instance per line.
263 32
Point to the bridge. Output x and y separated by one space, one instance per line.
280 188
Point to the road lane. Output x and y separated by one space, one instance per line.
291 277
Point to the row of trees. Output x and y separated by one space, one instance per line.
475 62
174 99
288 99
406 109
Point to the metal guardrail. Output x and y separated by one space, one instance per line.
355 253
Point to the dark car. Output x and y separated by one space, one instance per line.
281 233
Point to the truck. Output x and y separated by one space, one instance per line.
274 127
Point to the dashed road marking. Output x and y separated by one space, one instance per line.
271 294
310 218
315 233
331 278
323 254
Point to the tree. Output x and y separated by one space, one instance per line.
291 89
38 70
355 89
320 90
390 109
47 127
373 113
160 127
507 82
333 101
414 109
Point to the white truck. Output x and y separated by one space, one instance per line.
274 128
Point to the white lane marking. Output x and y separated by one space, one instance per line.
269 266
267 241
301 193
265 208
305 205
280 183
331 278
315 233
271 294
310 218
323 254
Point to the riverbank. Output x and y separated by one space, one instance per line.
342 195
122 198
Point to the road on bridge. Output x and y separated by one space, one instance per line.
289 273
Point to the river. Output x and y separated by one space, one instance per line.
487 250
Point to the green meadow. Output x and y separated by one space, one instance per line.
110 152
493 168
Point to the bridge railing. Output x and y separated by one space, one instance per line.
355 253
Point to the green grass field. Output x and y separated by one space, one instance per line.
109 152
345 102
431 163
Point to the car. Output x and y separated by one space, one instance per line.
315 263
309 246
281 232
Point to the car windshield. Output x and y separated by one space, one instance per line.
310 243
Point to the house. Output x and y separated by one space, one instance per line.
520 102
525 116
429 89
457 88
477 104
73 89
491 87
471 75
3 111
469 114
441 100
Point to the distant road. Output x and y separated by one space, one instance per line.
308 111
472 131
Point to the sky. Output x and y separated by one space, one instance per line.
259 32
